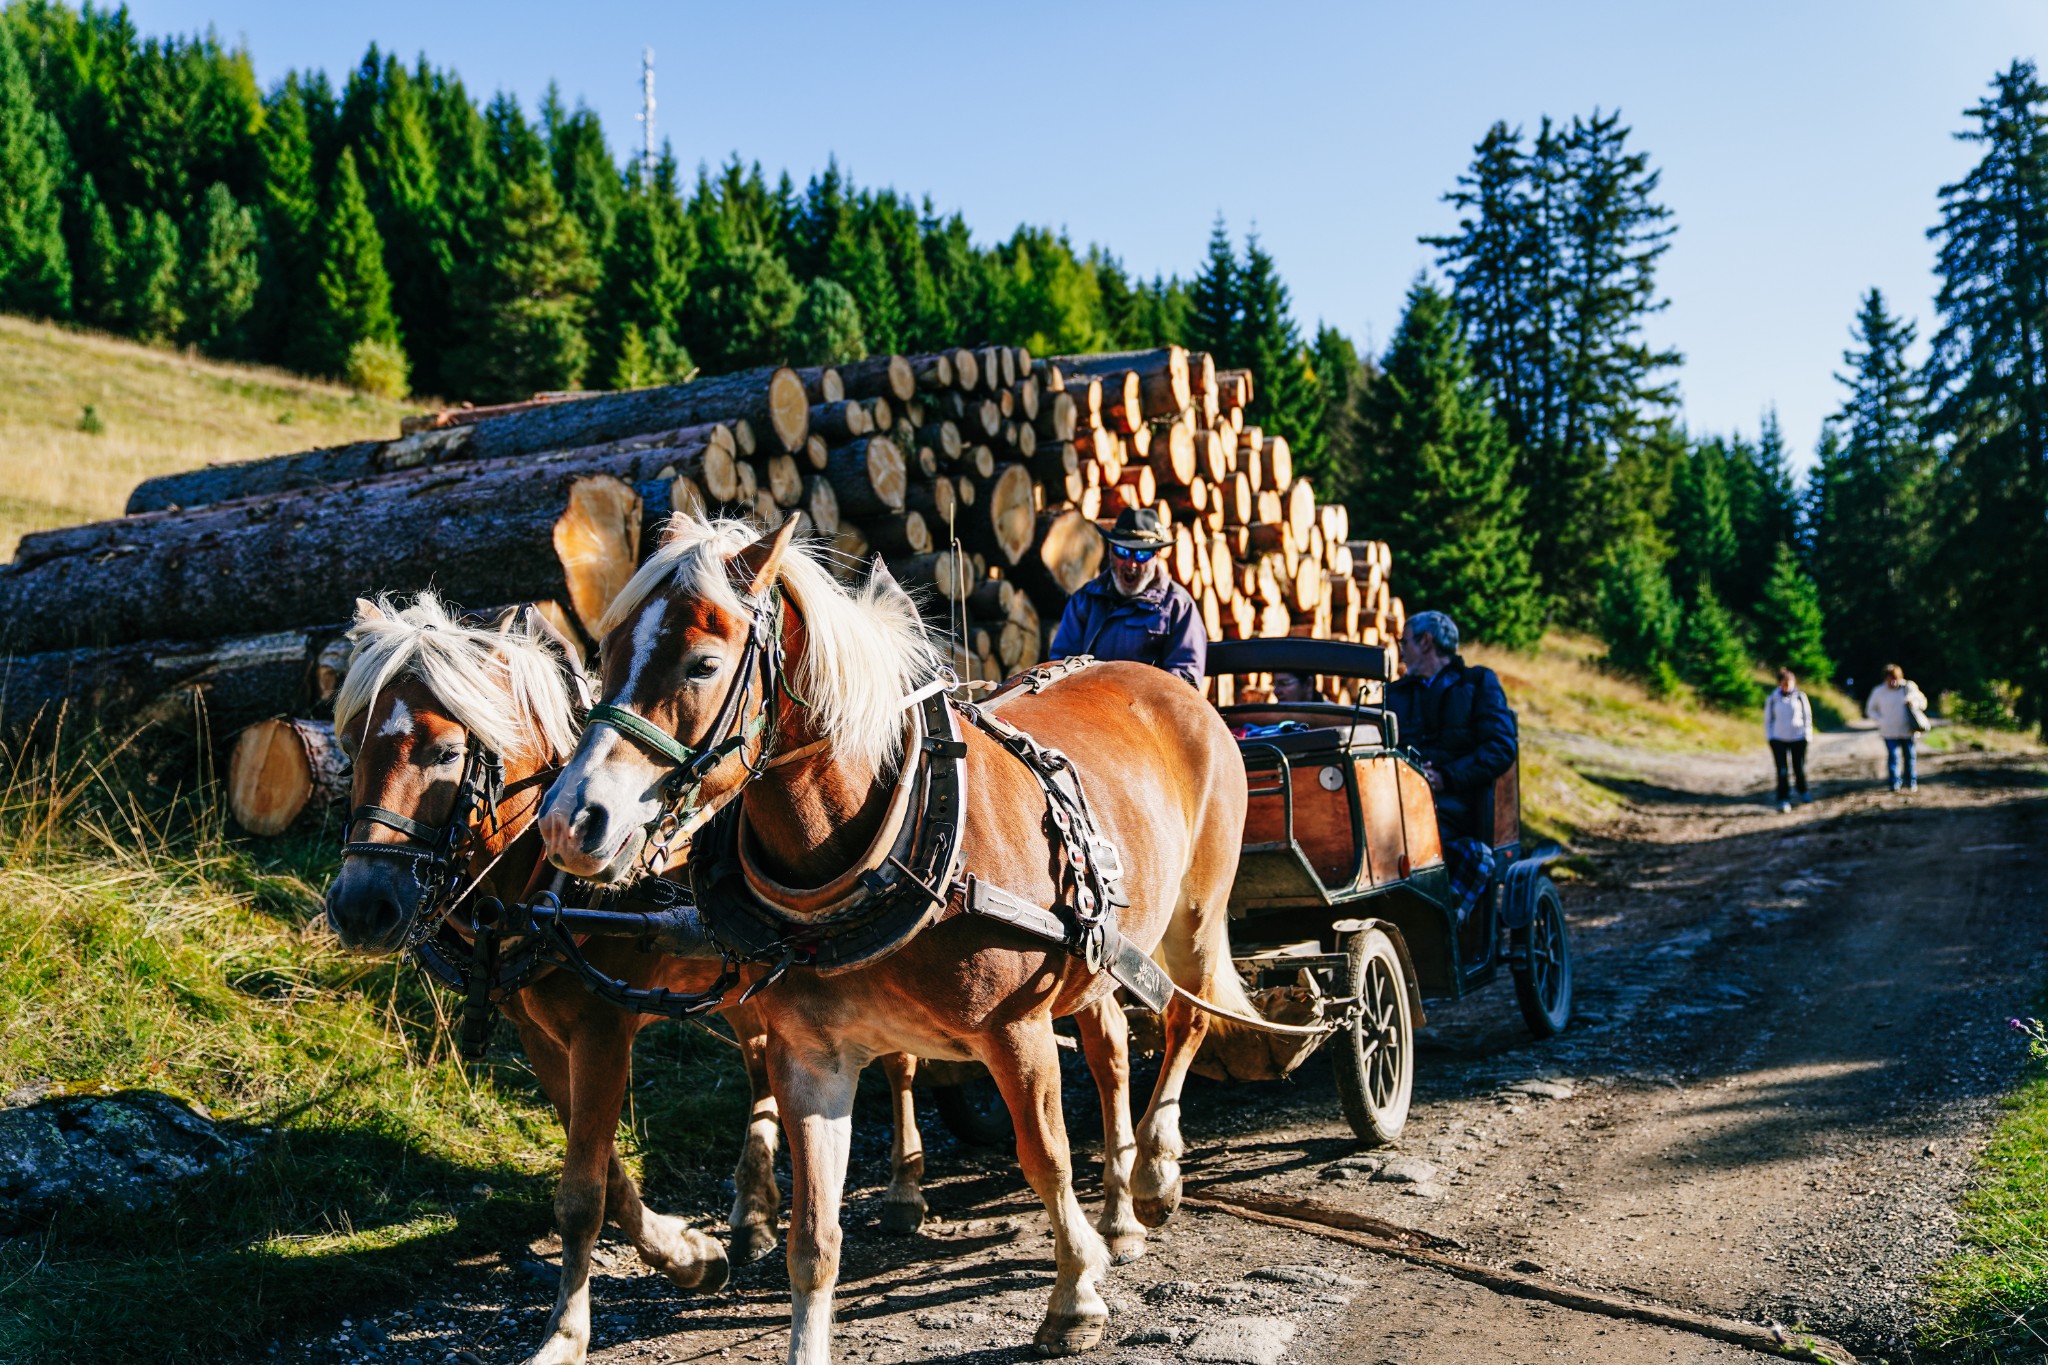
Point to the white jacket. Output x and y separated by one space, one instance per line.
1892 708
1788 715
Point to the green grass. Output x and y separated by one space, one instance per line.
140 946
1990 1301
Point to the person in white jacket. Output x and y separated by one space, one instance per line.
1788 725
1900 709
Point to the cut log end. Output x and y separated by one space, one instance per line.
597 541
279 768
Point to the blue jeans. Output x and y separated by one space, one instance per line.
1897 752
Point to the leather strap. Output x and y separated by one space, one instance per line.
643 732
404 824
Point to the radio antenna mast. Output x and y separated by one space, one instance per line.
646 115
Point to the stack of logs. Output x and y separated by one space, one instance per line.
983 476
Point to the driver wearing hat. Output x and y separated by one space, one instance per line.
1132 610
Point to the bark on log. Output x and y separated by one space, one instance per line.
843 421
1162 375
480 532
1056 416
991 599
949 573
280 768
1065 554
1173 454
869 477
938 501
822 384
1003 519
943 438
821 501
902 534
880 376
933 372
1234 387
771 399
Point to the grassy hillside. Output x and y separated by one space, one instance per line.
157 411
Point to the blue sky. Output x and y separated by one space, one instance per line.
1801 144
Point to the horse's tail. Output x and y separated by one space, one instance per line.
1236 1048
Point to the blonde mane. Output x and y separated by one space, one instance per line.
867 648
506 688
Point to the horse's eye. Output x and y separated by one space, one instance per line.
442 757
704 668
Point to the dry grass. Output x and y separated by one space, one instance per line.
159 411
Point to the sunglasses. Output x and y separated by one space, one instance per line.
1132 556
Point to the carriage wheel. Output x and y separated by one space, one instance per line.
1541 960
974 1112
1375 1058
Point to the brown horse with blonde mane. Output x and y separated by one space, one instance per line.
739 670
428 703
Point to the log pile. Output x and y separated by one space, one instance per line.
984 476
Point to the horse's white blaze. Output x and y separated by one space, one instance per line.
399 722
646 633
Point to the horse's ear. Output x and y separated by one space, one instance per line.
760 564
885 582
506 617
367 611
538 626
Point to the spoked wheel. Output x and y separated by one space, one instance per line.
974 1112
1375 1058
1541 959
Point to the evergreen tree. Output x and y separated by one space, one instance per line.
1710 655
643 287
1873 533
1215 302
150 265
1637 616
1762 511
1286 397
827 329
1701 530
1344 379
743 303
1988 377
289 211
585 175
96 280
35 272
1555 262
220 273
1439 481
530 300
1791 626
351 296
401 167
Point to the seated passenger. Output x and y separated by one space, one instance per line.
1456 719
1293 687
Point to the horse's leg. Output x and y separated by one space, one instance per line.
903 1205
1106 1043
1025 1062
815 1093
599 1052
691 1259
756 1199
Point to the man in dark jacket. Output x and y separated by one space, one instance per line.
1456 719
1132 610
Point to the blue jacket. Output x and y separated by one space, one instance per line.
1159 626
1458 721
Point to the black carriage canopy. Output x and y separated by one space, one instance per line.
1295 654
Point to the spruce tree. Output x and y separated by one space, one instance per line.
743 301
1286 397
350 305
642 287
1762 510
289 210
1791 627
35 272
1439 481
1702 533
1710 654
401 170
220 273
530 301
1873 531
827 328
1344 378
150 266
1637 616
97 274
1214 302
1989 382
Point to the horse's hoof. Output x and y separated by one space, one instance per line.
708 1273
900 1219
717 1272
1124 1247
750 1242
1154 1212
1066 1336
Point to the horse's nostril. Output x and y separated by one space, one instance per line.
385 920
592 825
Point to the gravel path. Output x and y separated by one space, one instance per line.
1790 1040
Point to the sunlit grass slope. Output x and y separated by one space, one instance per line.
157 411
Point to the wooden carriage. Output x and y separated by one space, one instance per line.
1343 893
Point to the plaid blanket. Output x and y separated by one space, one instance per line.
1470 863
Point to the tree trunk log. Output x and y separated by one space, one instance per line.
821 501
771 399
1003 518
1162 375
905 533
869 477
880 376
846 420
933 372
1065 554
279 768
822 384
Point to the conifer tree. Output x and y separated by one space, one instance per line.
585 175
1791 626
1438 481
1701 530
150 262
1287 397
642 287
1989 384
1710 654
401 170
220 273
351 297
1873 537
1637 615
35 272
530 300
1762 510
1215 302
289 210
1344 378
97 273
827 328
743 301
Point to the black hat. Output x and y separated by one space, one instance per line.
1137 528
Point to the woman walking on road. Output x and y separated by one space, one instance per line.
1900 709
1788 725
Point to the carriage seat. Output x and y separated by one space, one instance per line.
1329 725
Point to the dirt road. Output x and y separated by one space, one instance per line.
1791 1035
